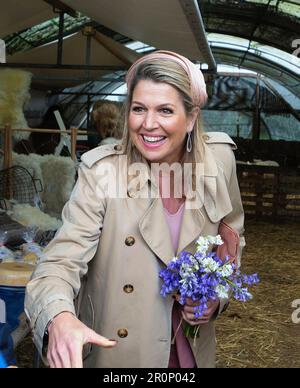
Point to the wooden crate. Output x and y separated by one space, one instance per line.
270 192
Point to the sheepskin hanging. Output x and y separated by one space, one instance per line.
14 93
33 217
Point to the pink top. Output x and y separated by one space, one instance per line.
181 355
174 222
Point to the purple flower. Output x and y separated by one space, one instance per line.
196 277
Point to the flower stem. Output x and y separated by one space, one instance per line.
176 332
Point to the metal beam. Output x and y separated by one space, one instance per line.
192 12
88 51
60 38
256 130
78 79
62 67
125 54
62 7
89 94
256 59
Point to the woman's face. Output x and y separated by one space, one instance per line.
158 122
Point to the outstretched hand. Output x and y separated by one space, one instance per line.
67 336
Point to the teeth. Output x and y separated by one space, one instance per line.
153 139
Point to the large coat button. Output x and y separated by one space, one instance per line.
128 288
122 333
118 147
130 241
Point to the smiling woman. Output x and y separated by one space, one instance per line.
110 250
158 123
163 123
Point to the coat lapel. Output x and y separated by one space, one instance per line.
191 228
153 225
155 231
193 219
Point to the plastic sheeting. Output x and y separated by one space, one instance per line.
240 124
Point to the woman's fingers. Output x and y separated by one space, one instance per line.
189 309
76 355
96 339
188 318
67 336
54 360
59 356
190 302
64 358
189 312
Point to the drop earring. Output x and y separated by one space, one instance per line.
189 144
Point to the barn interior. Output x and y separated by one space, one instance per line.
61 59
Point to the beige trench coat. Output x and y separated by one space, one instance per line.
110 251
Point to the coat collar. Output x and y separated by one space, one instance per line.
153 225
155 231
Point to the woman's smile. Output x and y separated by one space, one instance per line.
153 141
158 122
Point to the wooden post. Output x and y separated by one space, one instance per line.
73 143
8 146
276 196
256 113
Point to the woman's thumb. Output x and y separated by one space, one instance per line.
98 340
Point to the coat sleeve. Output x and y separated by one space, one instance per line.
56 281
232 226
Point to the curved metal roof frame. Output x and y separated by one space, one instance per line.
255 62
86 94
289 61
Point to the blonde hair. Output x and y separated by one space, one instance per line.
106 116
169 72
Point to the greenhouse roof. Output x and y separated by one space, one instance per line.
47 32
256 35
42 33
271 22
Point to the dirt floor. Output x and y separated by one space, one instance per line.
260 333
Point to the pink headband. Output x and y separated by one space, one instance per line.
198 87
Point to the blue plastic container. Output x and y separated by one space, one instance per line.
14 304
2 362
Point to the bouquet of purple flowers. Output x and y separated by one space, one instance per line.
203 276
